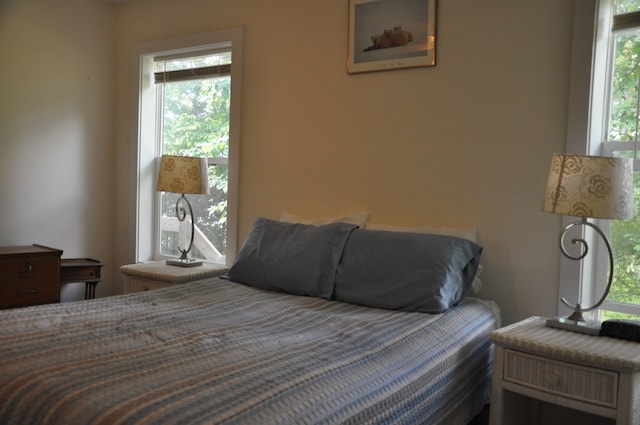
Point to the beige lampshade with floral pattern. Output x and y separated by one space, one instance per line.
183 174
590 186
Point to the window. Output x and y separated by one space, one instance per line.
613 130
621 139
192 112
189 103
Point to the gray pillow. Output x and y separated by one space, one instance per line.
294 258
406 271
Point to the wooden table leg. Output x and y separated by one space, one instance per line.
90 290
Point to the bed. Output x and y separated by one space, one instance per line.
230 350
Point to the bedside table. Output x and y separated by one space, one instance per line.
85 270
538 369
153 275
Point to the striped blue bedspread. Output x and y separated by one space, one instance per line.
218 352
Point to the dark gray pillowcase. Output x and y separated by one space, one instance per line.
294 258
406 271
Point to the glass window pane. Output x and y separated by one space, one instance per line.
624 89
625 243
626 6
624 235
210 215
196 118
195 122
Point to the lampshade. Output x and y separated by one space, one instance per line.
590 186
182 174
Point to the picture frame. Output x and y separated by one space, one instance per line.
391 34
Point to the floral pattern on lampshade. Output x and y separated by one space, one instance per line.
183 174
590 186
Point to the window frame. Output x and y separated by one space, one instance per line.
146 150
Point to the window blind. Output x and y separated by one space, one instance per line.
192 73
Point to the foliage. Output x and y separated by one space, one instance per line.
626 6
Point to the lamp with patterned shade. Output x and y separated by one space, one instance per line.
588 186
181 174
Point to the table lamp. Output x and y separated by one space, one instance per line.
588 187
181 174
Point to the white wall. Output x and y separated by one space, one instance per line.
56 129
466 142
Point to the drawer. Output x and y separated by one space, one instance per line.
592 385
29 281
140 285
79 274
29 268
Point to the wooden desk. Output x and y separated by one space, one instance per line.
85 270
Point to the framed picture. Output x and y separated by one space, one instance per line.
391 34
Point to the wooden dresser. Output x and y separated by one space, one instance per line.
29 275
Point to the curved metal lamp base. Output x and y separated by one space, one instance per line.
576 321
184 260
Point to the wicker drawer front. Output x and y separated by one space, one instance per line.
591 385
141 285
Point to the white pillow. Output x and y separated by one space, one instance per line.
469 233
359 219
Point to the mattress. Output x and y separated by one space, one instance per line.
219 352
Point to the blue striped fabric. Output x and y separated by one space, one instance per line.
218 352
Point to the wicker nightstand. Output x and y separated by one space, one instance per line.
537 369
146 276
